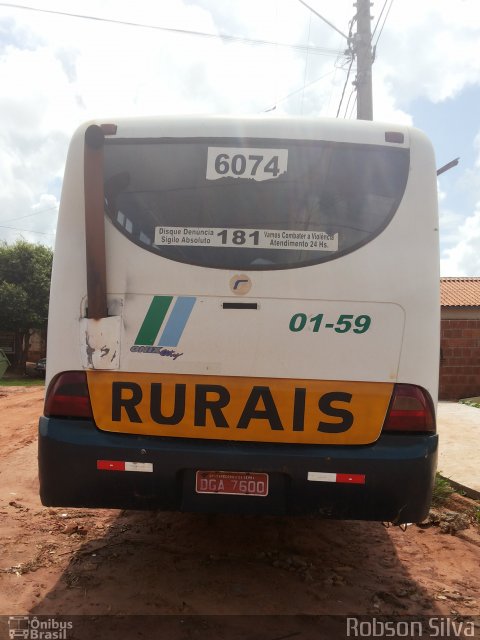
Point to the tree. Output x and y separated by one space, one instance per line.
25 271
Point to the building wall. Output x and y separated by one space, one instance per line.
38 345
459 354
7 343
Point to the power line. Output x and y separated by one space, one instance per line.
348 103
306 63
36 213
386 17
322 18
350 52
345 86
42 233
353 108
379 18
188 32
292 93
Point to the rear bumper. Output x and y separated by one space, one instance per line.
399 474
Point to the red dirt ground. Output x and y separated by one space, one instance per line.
71 561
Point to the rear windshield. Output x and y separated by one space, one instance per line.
251 204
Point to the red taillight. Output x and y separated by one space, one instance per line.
411 409
67 396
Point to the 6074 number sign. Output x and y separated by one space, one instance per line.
247 163
240 165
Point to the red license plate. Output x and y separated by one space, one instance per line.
237 483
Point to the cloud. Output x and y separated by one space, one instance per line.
450 222
464 258
56 72
430 49
37 111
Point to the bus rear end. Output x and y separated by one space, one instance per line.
252 325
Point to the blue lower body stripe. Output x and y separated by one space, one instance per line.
177 321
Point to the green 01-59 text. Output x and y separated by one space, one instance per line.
343 324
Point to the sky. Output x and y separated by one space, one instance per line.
278 57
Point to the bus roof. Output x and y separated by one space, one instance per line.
173 126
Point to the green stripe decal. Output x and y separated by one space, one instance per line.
153 320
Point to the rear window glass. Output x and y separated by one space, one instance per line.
252 204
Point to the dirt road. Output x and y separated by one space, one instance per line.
67 561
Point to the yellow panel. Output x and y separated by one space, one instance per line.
241 409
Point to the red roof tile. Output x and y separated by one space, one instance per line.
460 292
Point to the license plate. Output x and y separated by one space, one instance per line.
238 483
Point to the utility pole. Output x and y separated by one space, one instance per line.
362 47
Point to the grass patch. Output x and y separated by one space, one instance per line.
22 382
471 402
442 490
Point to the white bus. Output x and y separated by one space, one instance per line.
244 317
